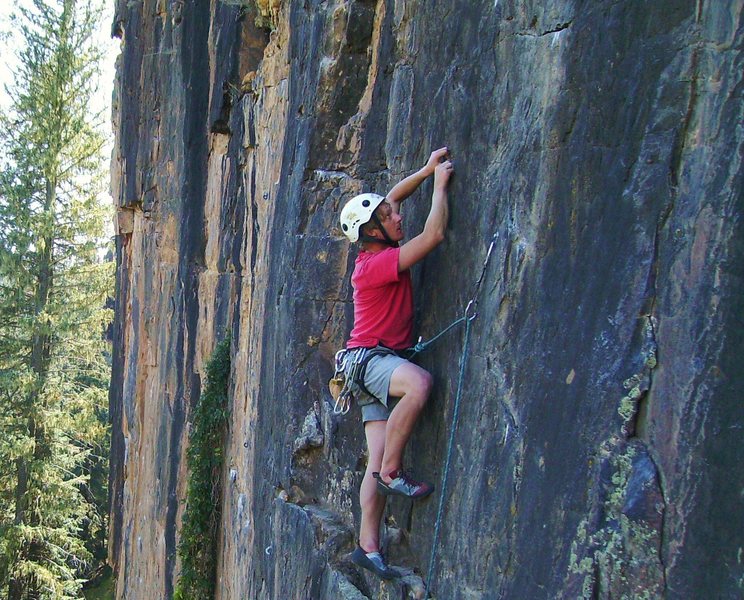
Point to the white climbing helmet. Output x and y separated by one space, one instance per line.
357 211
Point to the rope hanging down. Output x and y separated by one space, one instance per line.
467 318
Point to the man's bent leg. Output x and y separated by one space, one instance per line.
413 385
372 504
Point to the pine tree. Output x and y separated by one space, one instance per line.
53 288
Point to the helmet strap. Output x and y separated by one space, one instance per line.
368 238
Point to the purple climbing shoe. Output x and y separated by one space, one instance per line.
374 562
403 484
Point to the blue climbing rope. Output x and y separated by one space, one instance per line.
450 444
467 318
421 346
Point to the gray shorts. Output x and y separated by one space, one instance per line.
377 381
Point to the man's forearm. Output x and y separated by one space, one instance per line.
407 186
436 222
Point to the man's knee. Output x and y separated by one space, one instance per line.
419 386
375 433
426 383
411 381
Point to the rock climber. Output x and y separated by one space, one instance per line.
390 390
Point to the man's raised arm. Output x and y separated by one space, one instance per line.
407 186
436 223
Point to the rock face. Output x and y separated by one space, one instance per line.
598 450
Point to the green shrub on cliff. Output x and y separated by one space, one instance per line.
204 458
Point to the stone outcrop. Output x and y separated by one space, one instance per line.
599 145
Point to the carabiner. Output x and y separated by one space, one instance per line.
342 404
474 304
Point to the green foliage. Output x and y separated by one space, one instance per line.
204 458
54 284
103 587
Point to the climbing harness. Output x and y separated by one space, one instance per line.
467 318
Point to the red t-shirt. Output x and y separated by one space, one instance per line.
383 301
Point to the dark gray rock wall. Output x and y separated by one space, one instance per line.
598 450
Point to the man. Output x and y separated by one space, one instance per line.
391 390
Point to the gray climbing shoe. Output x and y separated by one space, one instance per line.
403 485
373 562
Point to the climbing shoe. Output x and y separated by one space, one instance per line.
373 562
403 485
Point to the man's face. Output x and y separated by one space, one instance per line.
391 221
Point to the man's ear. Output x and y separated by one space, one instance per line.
371 230
375 233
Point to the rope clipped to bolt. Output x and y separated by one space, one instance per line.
467 318
420 346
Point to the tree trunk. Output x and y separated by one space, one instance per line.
40 360
17 585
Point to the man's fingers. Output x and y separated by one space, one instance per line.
439 158
438 154
444 171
